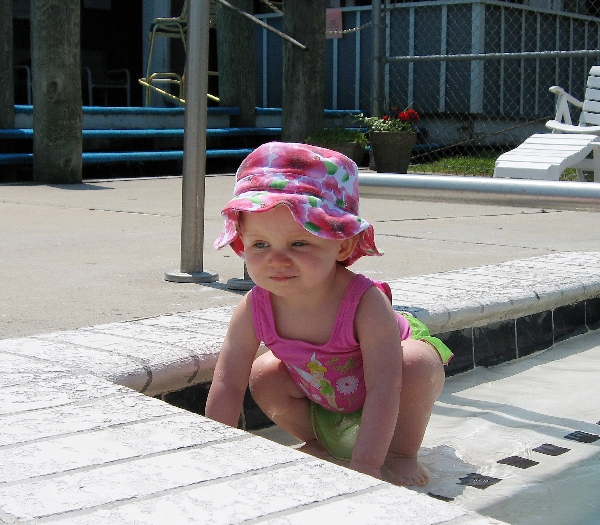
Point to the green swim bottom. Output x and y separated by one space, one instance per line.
420 332
337 431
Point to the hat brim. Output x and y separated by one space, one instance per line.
316 215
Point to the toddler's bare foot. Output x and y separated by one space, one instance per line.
401 470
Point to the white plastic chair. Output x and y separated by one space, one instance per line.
546 156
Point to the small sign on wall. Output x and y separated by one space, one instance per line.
333 22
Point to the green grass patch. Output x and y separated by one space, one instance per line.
571 174
469 165
481 165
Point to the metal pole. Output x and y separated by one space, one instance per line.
194 150
263 24
376 65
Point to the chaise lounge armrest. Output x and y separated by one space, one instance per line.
570 128
562 121
560 92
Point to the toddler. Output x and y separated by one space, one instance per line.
344 373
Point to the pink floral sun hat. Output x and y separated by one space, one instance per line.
319 187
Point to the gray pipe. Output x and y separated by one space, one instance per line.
480 190
495 56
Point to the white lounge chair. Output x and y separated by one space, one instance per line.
547 155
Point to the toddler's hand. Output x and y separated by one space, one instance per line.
366 469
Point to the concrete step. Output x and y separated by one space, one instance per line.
100 117
91 157
27 133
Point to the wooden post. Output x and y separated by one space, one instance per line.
235 49
303 69
56 72
7 88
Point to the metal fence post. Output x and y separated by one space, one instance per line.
376 64
194 150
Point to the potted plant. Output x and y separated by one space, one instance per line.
350 142
392 138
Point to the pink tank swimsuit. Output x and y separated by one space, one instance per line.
330 374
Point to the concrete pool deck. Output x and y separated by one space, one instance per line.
77 446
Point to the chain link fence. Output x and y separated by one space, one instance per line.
479 73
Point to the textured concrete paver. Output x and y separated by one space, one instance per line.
127 458
152 356
54 389
477 296
121 442
375 506
117 482
81 416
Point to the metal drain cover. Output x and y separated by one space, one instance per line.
551 450
582 437
479 481
519 462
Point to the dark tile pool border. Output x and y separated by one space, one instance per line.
503 341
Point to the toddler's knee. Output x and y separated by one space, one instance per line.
258 374
265 375
422 364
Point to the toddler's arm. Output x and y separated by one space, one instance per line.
230 379
379 337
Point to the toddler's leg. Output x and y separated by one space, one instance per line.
278 396
422 381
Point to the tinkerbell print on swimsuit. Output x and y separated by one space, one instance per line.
319 388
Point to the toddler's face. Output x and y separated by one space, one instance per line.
282 257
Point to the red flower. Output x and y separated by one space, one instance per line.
412 115
404 116
394 120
